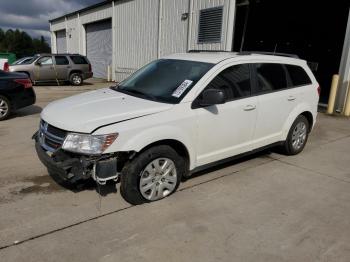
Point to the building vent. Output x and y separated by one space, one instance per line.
210 25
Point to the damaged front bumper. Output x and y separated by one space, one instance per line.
72 167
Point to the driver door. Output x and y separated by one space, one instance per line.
227 129
44 69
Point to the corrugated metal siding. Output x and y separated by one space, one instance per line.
61 41
97 14
58 25
72 35
136 35
99 46
197 6
173 36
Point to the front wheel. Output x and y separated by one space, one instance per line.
154 174
76 79
297 136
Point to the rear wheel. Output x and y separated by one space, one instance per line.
5 108
76 79
154 174
297 136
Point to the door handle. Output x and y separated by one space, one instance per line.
291 98
249 108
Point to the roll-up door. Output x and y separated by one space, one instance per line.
99 46
61 41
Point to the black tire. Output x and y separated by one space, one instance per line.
288 147
131 173
76 79
6 104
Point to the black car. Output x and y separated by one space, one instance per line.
16 91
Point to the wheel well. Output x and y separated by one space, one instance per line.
75 71
179 147
309 118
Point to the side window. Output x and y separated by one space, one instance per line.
61 60
298 75
45 60
270 77
79 60
234 81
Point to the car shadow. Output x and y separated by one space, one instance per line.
26 111
86 185
65 84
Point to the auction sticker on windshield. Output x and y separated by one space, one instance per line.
182 88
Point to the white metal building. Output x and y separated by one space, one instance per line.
126 34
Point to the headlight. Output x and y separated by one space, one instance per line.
88 144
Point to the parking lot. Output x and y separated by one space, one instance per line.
265 207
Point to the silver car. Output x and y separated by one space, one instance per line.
56 67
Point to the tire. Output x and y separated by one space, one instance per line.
142 173
297 136
5 108
76 79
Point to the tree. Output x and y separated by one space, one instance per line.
20 43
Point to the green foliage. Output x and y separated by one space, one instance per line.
20 43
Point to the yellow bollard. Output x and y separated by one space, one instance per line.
332 94
347 103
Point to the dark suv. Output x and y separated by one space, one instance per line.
56 67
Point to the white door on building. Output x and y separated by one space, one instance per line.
61 42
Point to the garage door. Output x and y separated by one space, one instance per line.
61 41
99 47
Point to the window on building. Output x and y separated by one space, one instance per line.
233 81
298 75
61 60
270 77
210 25
79 60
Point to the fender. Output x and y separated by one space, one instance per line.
299 109
140 139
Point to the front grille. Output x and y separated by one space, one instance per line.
51 138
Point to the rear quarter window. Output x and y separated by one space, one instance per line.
298 75
79 60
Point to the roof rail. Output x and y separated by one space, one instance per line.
267 53
207 51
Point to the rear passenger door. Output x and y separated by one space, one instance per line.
276 100
62 67
227 129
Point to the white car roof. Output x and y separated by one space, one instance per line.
217 57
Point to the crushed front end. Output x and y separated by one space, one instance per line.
72 167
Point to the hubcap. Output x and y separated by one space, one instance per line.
158 179
76 80
4 108
299 135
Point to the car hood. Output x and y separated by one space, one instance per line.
85 112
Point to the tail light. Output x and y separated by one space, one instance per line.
6 67
90 69
25 82
319 90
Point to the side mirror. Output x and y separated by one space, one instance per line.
212 97
38 63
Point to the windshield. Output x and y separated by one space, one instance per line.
164 80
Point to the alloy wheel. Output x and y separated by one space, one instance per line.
299 135
158 179
4 107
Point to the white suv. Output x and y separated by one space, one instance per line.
177 115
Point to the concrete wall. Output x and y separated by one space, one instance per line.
146 30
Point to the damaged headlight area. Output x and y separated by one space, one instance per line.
88 144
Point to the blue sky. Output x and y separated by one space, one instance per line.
32 15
